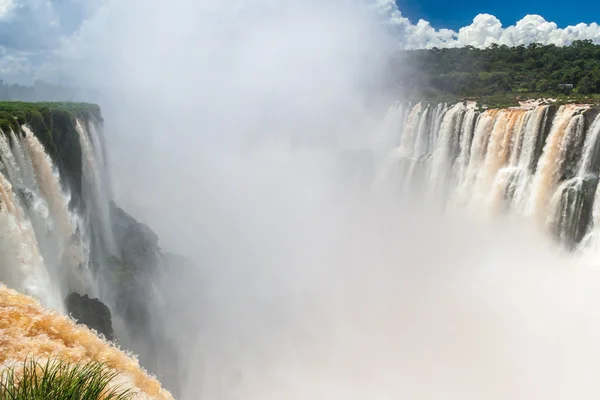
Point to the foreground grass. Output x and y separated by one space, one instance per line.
57 379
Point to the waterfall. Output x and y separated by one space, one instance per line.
553 155
49 183
22 266
400 163
73 268
466 136
497 152
393 124
55 226
23 160
96 135
591 149
483 129
418 163
446 150
422 140
503 170
43 255
9 161
566 207
95 191
438 115
576 203
410 130
540 162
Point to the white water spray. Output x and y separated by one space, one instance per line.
95 190
74 270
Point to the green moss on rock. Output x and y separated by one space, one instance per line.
54 126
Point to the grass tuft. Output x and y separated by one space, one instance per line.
58 379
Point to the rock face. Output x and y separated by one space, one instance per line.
90 312
140 246
139 301
136 268
138 243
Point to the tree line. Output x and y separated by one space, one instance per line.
500 69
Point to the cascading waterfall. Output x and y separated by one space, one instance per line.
498 149
411 129
440 111
49 183
393 124
483 129
565 210
503 148
96 136
519 182
74 263
466 136
45 250
402 126
95 191
541 161
55 226
446 150
577 201
422 141
23 160
553 155
9 162
22 265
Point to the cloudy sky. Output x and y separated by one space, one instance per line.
32 32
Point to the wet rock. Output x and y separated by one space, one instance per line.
138 243
90 312
26 196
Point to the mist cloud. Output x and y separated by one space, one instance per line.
226 123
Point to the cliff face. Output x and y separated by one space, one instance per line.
63 239
54 124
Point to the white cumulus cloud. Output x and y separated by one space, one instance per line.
5 7
483 31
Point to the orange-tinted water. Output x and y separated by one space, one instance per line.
27 329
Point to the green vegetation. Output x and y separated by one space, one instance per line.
13 113
54 125
500 75
57 379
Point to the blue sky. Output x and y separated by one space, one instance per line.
454 15
37 36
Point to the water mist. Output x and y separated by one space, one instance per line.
234 128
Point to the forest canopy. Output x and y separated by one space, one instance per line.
520 71
499 72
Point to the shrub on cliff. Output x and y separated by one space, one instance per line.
58 379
